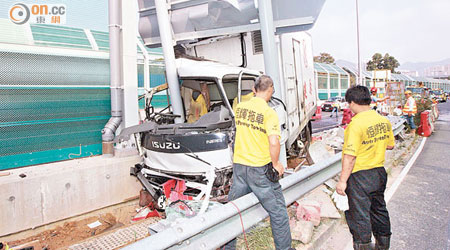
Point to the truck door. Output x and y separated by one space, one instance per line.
305 77
298 78
292 100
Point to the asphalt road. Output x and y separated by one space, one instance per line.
326 121
419 209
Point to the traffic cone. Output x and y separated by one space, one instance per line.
424 127
318 114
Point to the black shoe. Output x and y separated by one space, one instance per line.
359 246
382 242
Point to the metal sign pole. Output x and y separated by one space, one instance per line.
271 55
165 31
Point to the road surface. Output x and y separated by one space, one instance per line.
419 210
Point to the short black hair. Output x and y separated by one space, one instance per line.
263 82
359 95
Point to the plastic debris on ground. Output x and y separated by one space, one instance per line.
326 144
94 224
174 189
176 214
319 151
187 209
144 213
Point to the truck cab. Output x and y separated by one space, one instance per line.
198 151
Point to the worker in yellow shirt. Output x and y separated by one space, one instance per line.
256 167
197 107
363 178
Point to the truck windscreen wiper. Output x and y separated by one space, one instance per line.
193 155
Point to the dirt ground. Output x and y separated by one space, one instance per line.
77 230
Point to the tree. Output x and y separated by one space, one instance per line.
383 62
324 58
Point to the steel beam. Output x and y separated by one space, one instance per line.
165 29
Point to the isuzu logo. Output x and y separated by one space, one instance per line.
166 145
214 141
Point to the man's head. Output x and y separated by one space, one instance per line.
408 93
264 87
358 97
373 90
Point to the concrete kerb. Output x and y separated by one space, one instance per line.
321 235
61 190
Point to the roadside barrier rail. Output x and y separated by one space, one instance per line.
215 228
398 127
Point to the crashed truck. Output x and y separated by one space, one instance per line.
221 70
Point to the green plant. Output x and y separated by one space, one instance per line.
422 105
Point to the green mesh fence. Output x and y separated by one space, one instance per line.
51 107
37 125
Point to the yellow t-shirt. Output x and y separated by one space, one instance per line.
244 98
367 137
197 109
255 122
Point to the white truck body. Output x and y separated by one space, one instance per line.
298 85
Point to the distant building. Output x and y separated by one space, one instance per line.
438 71
408 72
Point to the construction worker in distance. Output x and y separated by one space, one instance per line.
197 107
409 110
256 166
335 106
363 177
375 99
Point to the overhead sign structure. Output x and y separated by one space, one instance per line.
194 19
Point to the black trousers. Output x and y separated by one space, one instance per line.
367 212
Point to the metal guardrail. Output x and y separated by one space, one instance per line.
398 127
215 228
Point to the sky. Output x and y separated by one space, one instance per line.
409 30
91 14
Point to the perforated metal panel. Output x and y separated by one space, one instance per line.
54 93
51 107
